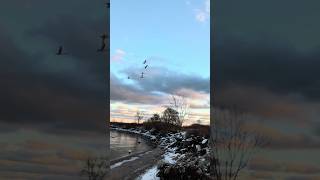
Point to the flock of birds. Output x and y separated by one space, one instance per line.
145 68
101 49
104 37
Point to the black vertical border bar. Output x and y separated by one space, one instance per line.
107 67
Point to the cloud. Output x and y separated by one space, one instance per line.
164 80
264 164
158 83
203 14
59 100
43 95
119 55
153 95
263 102
278 139
130 94
273 65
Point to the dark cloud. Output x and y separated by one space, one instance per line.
80 36
53 109
48 93
263 102
266 64
276 49
269 65
156 83
288 21
128 93
167 81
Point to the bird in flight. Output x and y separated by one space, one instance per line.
141 75
128 77
102 47
146 67
104 36
145 61
60 51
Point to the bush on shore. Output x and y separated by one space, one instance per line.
161 127
197 130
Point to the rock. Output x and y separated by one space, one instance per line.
202 152
198 147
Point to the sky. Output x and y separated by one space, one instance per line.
176 45
52 108
266 56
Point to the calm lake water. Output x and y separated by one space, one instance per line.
121 143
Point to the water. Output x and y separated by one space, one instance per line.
121 143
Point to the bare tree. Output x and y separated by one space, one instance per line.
139 116
180 104
232 144
95 168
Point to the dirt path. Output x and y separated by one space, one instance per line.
129 168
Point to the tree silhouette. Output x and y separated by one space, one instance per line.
139 116
232 145
170 116
180 105
95 168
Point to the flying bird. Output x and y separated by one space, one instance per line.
102 47
145 61
59 51
104 37
128 77
146 67
141 75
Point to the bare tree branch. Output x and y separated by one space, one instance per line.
232 144
139 116
180 104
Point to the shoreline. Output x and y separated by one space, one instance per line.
174 153
146 141
132 166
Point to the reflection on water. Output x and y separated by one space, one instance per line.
121 143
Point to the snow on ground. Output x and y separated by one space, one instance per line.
165 142
150 174
170 156
204 141
122 162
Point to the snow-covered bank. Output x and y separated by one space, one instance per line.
150 174
185 155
